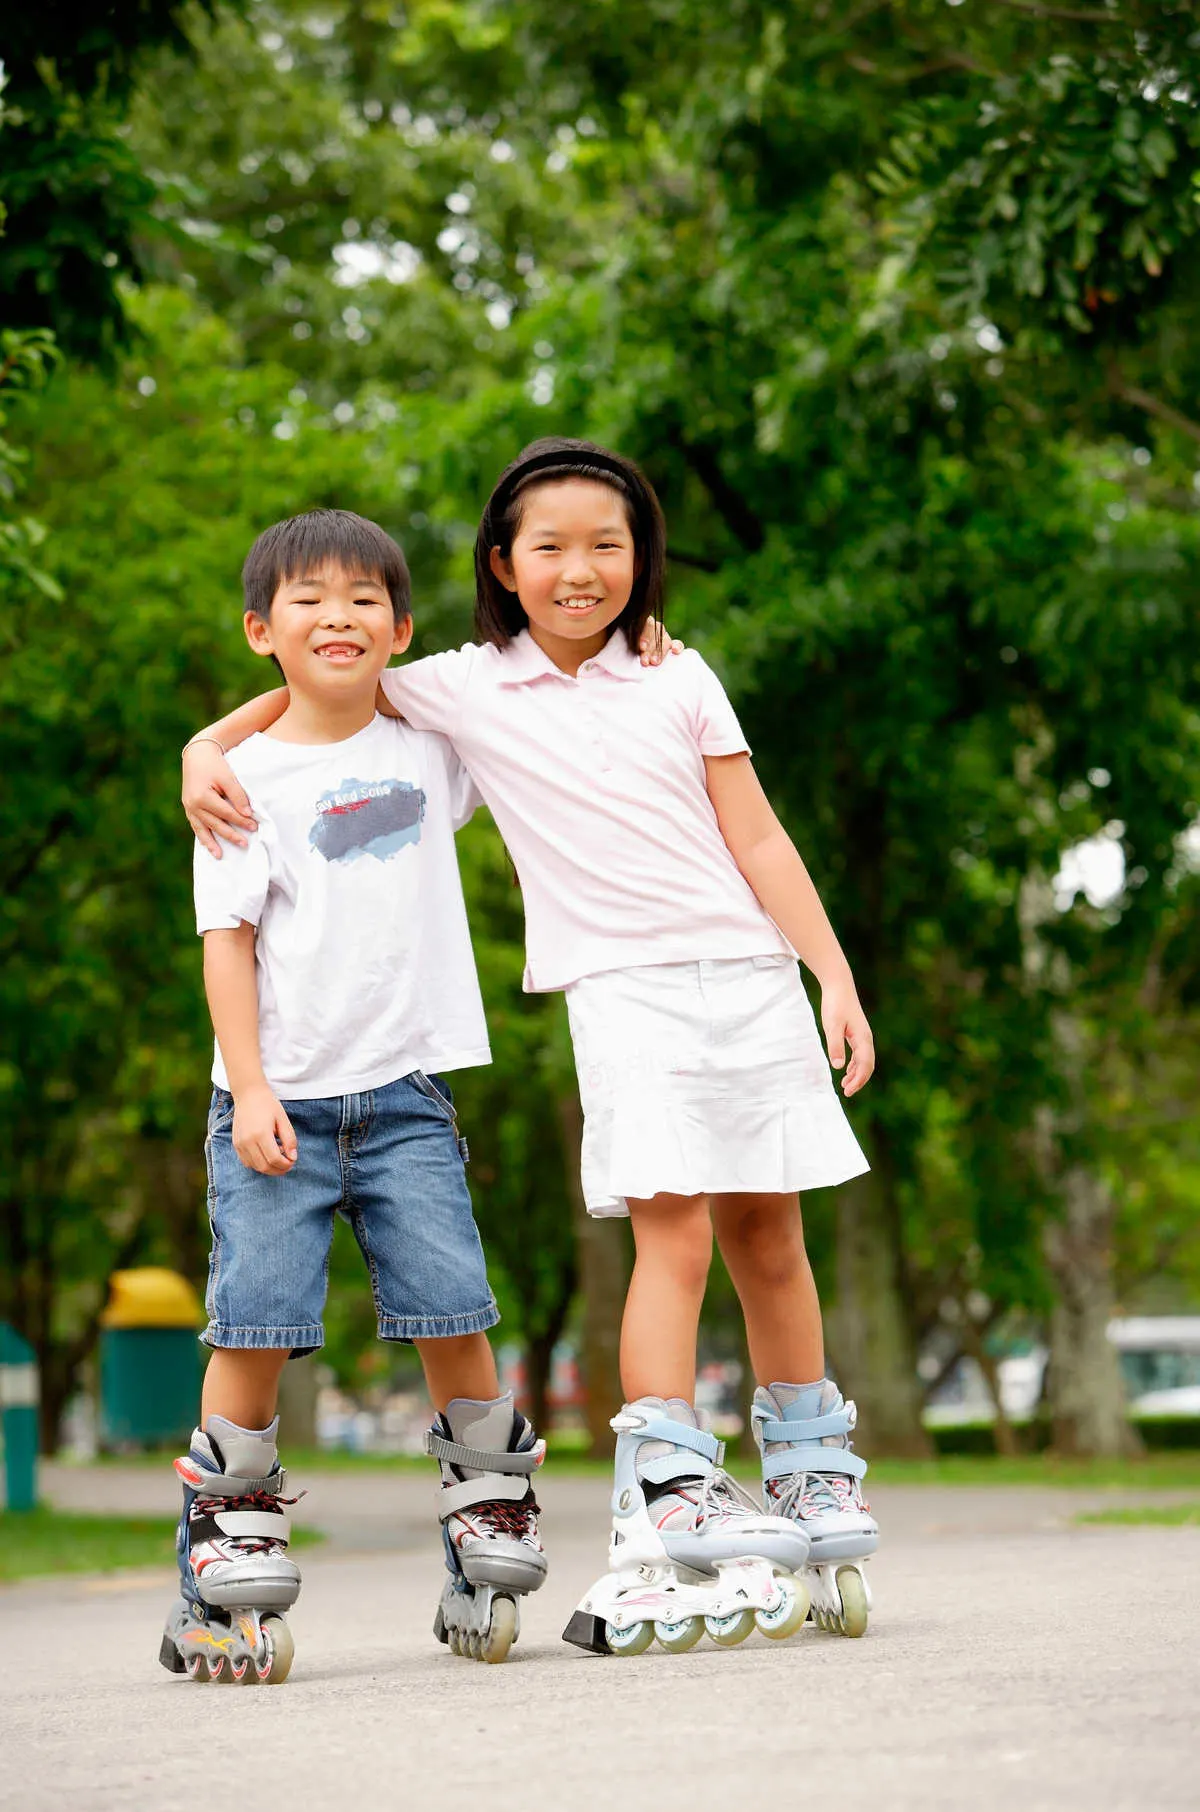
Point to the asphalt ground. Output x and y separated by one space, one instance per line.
1014 1659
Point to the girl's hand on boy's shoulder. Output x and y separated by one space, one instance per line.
263 1137
213 798
656 644
845 1023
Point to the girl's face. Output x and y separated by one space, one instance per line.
572 565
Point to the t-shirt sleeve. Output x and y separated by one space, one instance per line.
718 731
429 691
461 790
233 890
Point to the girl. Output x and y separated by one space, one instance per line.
673 927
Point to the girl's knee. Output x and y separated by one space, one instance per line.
679 1235
765 1236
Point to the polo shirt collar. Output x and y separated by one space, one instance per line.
523 660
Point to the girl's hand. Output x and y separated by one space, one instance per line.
845 1023
262 1133
656 644
213 798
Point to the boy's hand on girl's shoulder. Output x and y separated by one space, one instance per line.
214 799
263 1137
656 644
845 1023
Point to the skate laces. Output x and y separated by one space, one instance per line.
805 1494
518 1520
715 1498
253 1500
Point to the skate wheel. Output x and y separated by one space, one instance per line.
677 1638
501 1632
786 1616
281 1651
727 1632
853 1594
630 1639
244 1675
197 1668
219 1670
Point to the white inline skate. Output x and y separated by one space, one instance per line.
487 1453
812 1476
691 1553
236 1580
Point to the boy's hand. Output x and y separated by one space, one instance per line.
845 1023
656 644
262 1133
213 797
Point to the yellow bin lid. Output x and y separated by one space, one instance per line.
151 1297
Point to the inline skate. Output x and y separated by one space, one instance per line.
235 1578
690 1553
487 1453
812 1476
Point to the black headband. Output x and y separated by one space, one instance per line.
595 457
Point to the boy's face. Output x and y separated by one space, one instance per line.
331 631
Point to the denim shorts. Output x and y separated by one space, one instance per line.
391 1162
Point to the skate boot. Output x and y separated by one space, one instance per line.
487 1453
812 1476
235 1577
691 1553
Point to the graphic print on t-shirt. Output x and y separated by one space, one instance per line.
367 818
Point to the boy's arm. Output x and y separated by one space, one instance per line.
262 1133
213 797
771 864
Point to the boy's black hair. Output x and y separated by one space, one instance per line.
320 538
498 613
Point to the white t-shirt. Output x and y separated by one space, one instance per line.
365 969
597 785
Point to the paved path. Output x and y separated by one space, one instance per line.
1013 1660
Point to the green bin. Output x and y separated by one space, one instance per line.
150 1359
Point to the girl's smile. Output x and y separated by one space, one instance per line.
572 566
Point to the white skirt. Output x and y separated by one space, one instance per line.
701 1078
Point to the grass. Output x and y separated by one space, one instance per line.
1177 1516
34 1543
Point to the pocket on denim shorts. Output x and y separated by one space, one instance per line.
436 1089
220 1111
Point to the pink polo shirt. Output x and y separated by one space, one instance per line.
596 782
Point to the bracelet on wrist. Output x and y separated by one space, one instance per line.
191 743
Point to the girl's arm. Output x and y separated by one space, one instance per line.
771 864
213 797
262 1133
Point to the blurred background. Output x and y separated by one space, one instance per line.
897 303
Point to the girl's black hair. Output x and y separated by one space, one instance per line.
498 613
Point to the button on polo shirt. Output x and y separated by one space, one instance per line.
597 783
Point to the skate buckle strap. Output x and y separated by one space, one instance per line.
484 1459
812 1457
837 1422
222 1484
254 1525
653 1426
489 1488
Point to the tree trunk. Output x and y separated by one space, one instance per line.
603 1280
870 1336
1084 1391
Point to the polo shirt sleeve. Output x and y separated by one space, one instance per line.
460 788
429 692
233 891
718 731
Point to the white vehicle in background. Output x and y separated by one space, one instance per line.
1160 1363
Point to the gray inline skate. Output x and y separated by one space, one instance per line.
235 1578
487 1453
812 1476
691 1553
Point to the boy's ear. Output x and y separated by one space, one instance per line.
258 632
403 635
503 569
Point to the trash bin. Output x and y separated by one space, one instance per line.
18 1419
150 1360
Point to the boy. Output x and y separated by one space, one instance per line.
340 980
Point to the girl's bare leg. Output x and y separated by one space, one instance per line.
672 1235
242 1384
762 1242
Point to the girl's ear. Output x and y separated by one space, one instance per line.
502 569
258 632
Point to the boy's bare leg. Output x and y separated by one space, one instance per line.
673 1239
461 1366
242 1384
762 1242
